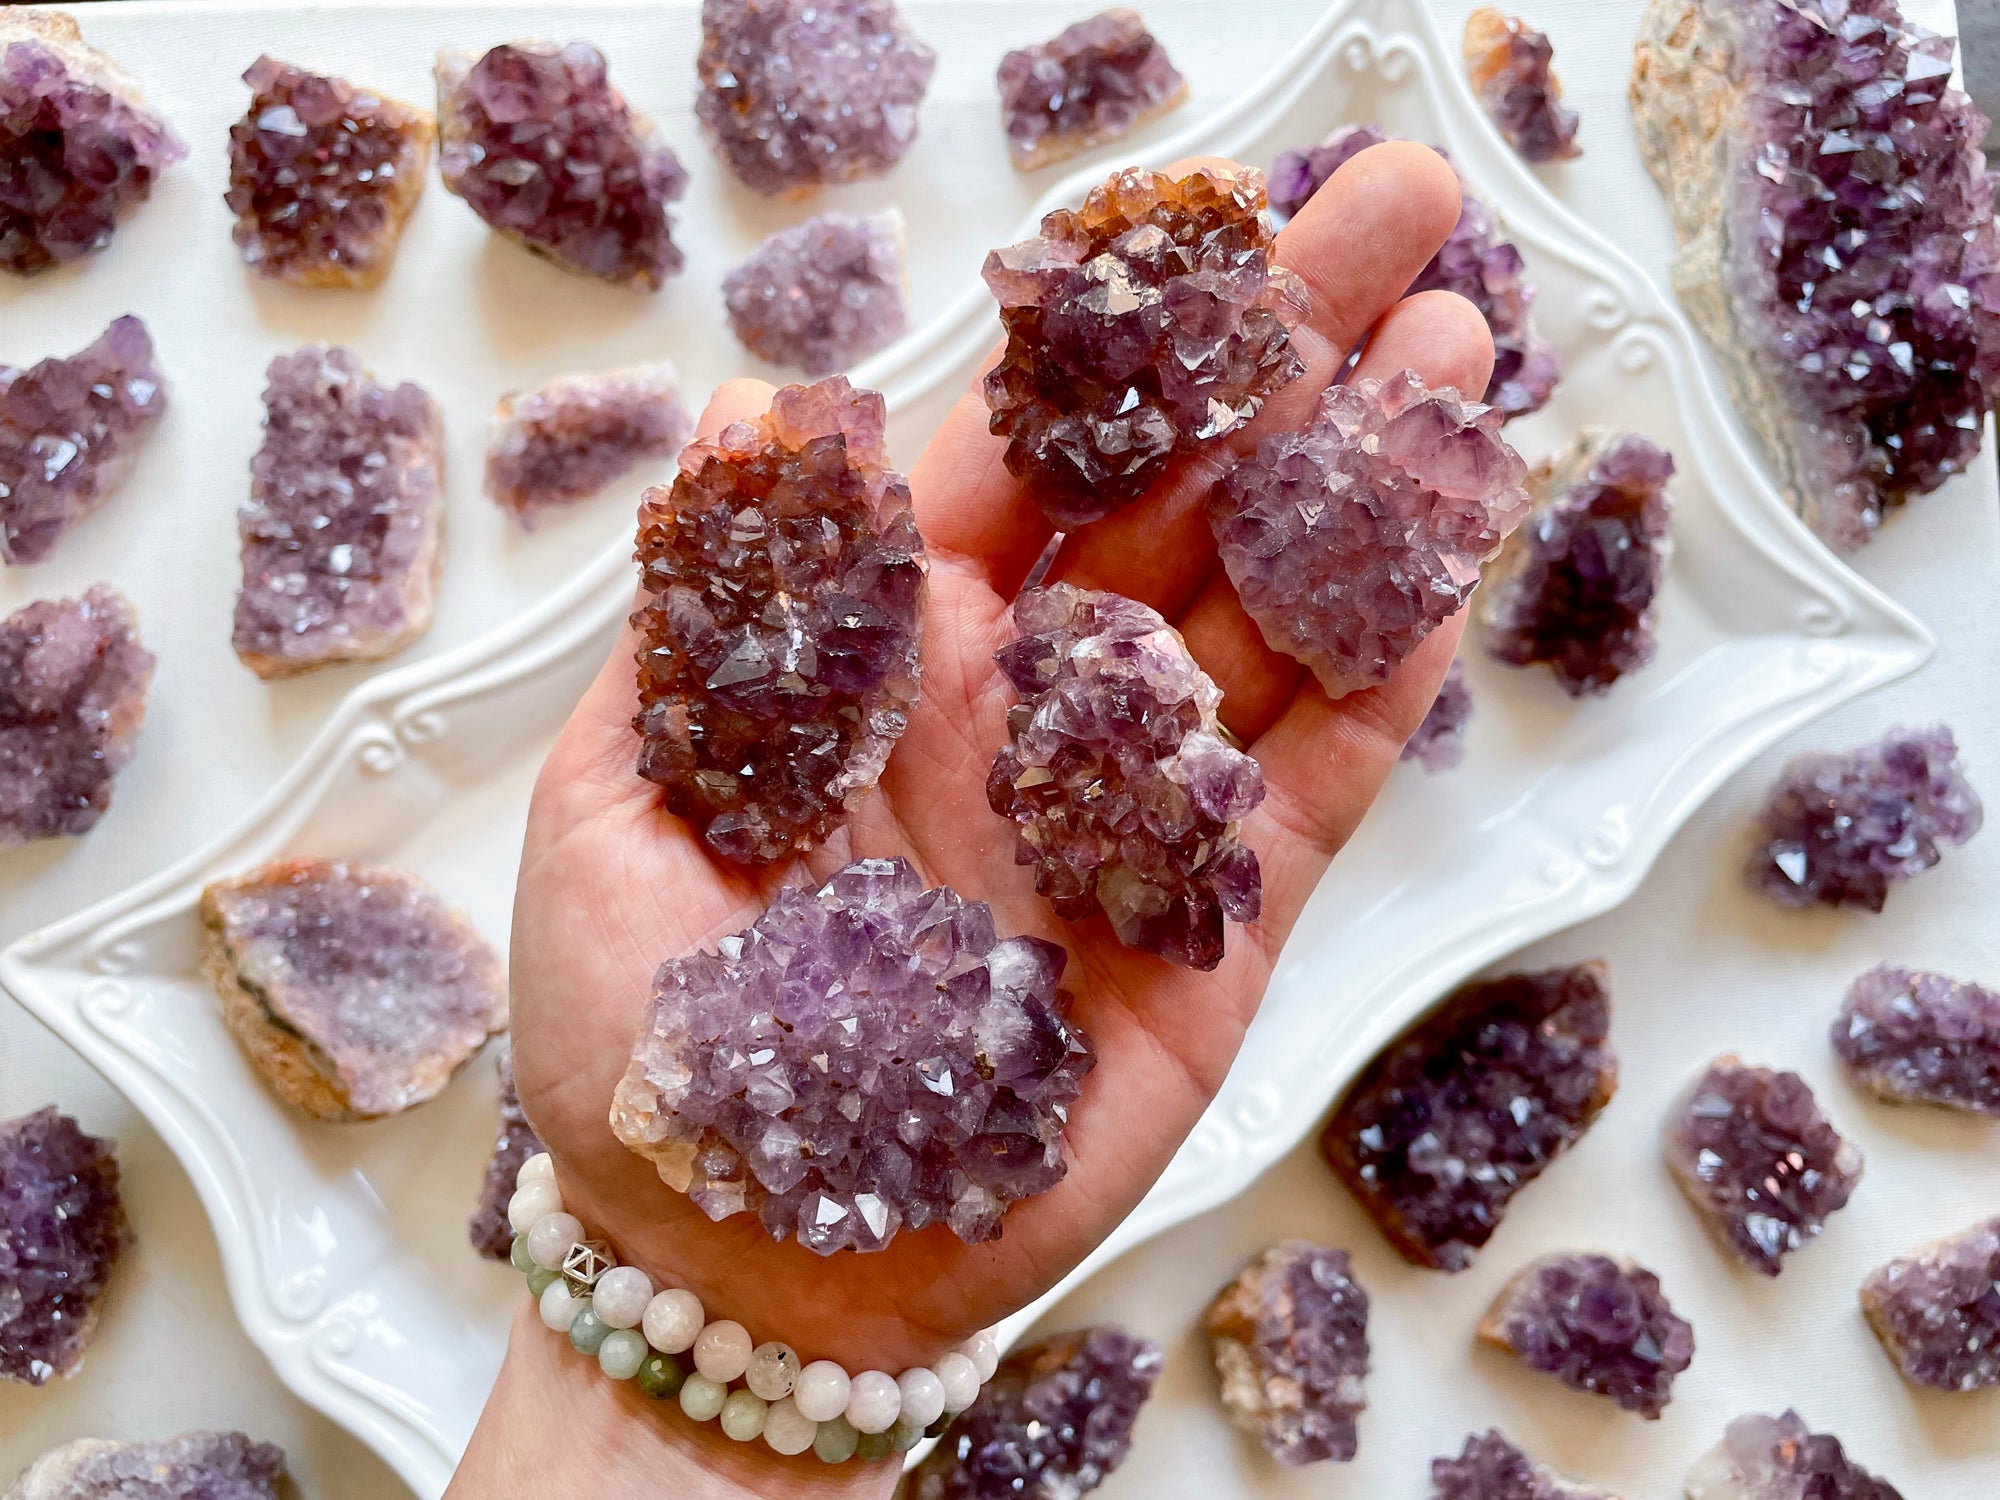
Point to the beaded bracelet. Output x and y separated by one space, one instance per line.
612 1313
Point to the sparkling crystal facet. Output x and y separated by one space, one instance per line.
1491 1468
1093 82
1439 743
1777 1458
1508 62
1913 1037
190 1466
1597 1324
488 1229
62 1229
1937 1310
822 294
567 440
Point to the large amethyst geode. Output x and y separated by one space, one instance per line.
62 1229
1510 67
1092 82
782 624
1126 797
1148 323
1835 218
1598 1324
1778 1458
869 1057
190 1466
1937 1310
1491 1468
1913 1037
1353 539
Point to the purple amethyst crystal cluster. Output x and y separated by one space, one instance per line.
1052 1424
782 623
799 94
1125 795
1937 1310
73 680
541 146
1093 82
567 440
1598 1325
869 1057
1148 323
1841 827
1471 1104
1912 1037
1353 539
822 294
491 1235
78 147
70 431
1439 743
1508 62
1777 1458
1491 1468
62 1229
190 1466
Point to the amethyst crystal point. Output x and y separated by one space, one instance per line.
1352 540
1577 586
1439 743
78 146
1471 1105
1147 323
1776 1458
534 137
73 680
1508 62
1491 1468
192 1466
1597 1324
1052 1424
62 1228
1094 82
1838 247
1126 798
782 623
1937 1310
70 431
567 440
491 1235
342 532
1840 827
1917 1038
1761 1164
822 294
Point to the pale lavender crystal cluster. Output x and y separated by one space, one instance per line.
1439 743
570 438
1779 1458
488 1229
1491 1468
1937 1310
1597 1324
1052 1423
822 294
1841 827
536 140
1126 797
1509 62
189 1466
798 94
1351 540
73 681
1093 82
1913 1037
62 1229
70 431
870 1057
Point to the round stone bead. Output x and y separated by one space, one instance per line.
559 1308
786 1431
540 1281
621 1353
984 1352
541 1167
743 1415
874 1402
923 1396
723 1351
621 1296
702 1398
836 1441
587 1332
960 1379
660 1376
773 1370
872 1446
905 1435
550 1238
535 1200
821 1391
673 1321
518 1257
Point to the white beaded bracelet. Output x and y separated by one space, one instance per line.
613 1313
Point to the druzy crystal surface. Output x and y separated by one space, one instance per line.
1471 1104
1841 827
1577 585
1491 1468
1761 1164
342 532
488 1229
567 440
78 147
798 94
70 430
1913 1037
1509 63
1126 797
1477 261
1352 540
1053 1422
1093 82
1148 323
870 1057
1439 743
822 294
533 136
62 1228
73 680
1597 1324
191 1466
1778 1458
782 623
1937 1310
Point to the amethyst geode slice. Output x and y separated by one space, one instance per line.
1126 798
536 140
1597 1324
78 147
70 430
1835 218
1093 82
782 623
1148 323
869 1057
191 1466
1491 1468
1937 1310
62 1229
1289 1338
567 440
1508 63
1471 1104
1777 1458
488 1229
1439 743
1912 1037
1052 1423
822 294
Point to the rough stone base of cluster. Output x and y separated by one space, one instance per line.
1509 63
192 1466
1439 743
1491 1468
1777 1458
1093 82
62 1229
491 1235
824 293
1912 1037
1937 1310
569 439
1597 1324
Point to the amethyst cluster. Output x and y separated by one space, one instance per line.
1148 323
1052 1423
1937 1310
1439 743
1491 1468
488 1229
822 294
869 1057
1912 1037
1508 62
62 1229
1126 798
1598 1325
190 1466
567 440
1778 1458
1093 82
782 623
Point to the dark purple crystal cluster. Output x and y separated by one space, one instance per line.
567 440
1471 1104
1052 1424
1599 1325
62 1229
1147 323
488 1229
190 1466
782 623
1937 1310
1778 1458
1913 1037
869 1057
1509 63
1126 797
1093 82
1491 1468
822 294
1439 743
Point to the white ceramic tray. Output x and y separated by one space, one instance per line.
344 1246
